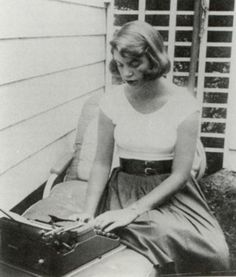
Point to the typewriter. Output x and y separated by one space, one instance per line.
51 249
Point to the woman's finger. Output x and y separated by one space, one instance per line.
103 222
99 222
80 217
85 218
73 217
112 226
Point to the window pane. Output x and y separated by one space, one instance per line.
183 36
182 80
221 5
121 19
185 5
214 162
216 82
184 20
212 127
220 20
217 36
214 112
214 97
213 142
221 67
158 5
218 52
126 4
158 20
182 51
164 35
181 66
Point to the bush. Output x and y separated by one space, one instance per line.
220 191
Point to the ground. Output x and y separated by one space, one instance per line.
220 192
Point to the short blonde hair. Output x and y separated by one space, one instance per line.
138 38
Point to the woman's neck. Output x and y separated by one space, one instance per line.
148 91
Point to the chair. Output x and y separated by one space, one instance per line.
67 184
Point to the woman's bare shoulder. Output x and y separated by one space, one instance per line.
172 90
112 94
181 93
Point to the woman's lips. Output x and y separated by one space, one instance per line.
131 82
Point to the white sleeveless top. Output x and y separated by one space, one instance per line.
149 136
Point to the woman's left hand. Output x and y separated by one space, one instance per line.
111 220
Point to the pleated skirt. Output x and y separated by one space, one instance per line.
179 236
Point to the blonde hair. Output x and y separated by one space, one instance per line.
138 38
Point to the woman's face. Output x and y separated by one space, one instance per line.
131 69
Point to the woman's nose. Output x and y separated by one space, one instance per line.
127 72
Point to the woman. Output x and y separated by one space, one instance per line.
151 201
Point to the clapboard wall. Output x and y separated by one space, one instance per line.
52 56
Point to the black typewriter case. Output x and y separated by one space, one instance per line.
27 247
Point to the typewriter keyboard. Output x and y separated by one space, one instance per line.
100 232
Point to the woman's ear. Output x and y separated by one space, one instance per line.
153 71
113 67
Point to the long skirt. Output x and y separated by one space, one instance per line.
179 236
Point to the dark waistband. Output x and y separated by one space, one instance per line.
140 167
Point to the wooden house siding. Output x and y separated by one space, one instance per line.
52 56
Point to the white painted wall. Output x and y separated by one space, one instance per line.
52 56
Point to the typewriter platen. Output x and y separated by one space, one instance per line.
52 250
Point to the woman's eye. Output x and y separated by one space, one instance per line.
135 63
119 64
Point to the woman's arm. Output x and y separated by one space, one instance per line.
182 164
102 164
